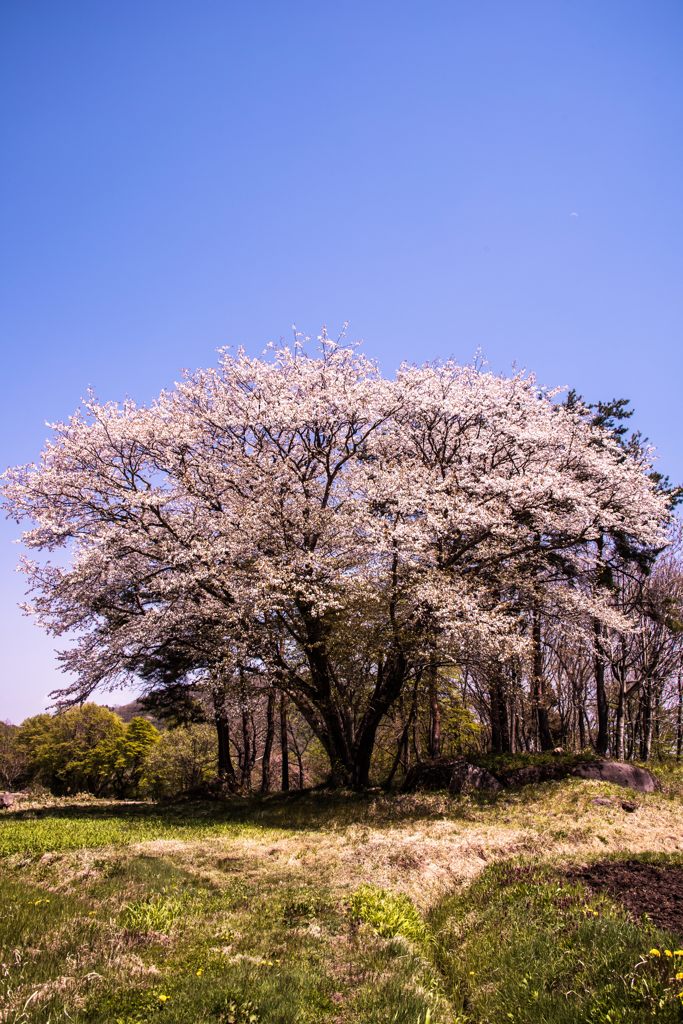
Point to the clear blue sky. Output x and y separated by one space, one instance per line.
447 176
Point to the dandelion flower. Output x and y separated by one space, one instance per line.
163 998
655 952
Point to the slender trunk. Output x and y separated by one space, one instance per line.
500 733
268 745
284 744
434 746
246 752
581 721
619 723
401 747
300 765
602 741
515 718
587 726
679 719
630 732
545 738
646 740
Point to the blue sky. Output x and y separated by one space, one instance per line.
177 176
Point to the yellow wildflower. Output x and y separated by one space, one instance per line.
655 952
679 976
163 998
199 972
667 952
678 952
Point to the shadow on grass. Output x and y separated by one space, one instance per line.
300 811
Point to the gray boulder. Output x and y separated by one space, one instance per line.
618 772
466 777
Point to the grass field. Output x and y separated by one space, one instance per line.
410 909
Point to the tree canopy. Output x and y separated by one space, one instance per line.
305 523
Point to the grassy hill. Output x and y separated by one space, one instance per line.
414 909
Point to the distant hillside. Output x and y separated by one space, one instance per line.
134 710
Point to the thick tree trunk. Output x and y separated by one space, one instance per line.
328 707
268 744
226 769
349 743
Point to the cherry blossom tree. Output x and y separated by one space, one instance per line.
304 523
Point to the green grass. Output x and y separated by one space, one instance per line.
388 914
84 827
524 945
140 939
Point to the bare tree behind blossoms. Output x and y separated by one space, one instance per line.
645 663
316 527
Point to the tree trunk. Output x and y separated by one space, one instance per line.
545 738
619 723
246 752
401 749
434 745
646 740
581 722
602 741
284 744
268 745
226 769
679 719
300 765
500 732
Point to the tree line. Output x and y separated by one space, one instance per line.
90 749
358 572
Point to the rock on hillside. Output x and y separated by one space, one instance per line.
462 776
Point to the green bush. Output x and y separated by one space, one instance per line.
183 759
